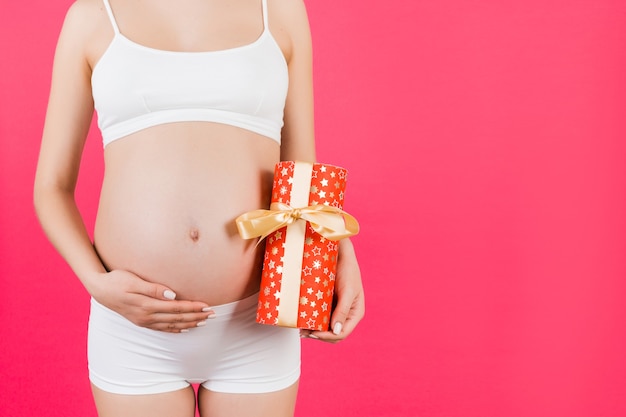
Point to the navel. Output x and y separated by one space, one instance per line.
194 234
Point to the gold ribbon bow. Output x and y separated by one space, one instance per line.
330 222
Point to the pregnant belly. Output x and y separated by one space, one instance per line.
168 214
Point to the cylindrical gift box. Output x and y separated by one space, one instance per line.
300 264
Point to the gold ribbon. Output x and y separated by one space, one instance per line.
330 222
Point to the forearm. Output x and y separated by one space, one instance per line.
63 224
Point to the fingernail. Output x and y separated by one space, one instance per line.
184 330
205 309
337 328
211 315
169 294
201 323
312 336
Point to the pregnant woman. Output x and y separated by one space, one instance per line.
196 100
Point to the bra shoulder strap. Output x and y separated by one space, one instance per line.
107 6
265 19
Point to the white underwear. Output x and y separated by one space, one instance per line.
232 353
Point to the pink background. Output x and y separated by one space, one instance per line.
485 143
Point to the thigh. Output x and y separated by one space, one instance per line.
270 404
180 403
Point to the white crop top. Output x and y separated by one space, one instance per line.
135 87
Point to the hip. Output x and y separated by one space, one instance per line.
232 352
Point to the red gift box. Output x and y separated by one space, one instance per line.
302 228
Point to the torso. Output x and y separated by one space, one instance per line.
171 192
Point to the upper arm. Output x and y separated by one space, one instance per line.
70 104
292 31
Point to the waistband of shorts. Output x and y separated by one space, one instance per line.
220 310
236 306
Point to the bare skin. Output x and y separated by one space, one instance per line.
171 192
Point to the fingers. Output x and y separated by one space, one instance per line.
340 314
343 330
171 315
349 311
181 322
154 290
151 305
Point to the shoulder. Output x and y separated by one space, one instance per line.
288 6
289 23
82 14
291 13
86 27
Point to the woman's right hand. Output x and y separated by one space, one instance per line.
147 304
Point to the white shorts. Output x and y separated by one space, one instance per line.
232 353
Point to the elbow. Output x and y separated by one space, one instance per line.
45 194
38 199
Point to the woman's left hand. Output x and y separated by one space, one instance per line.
350 306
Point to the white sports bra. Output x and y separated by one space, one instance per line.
135 87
